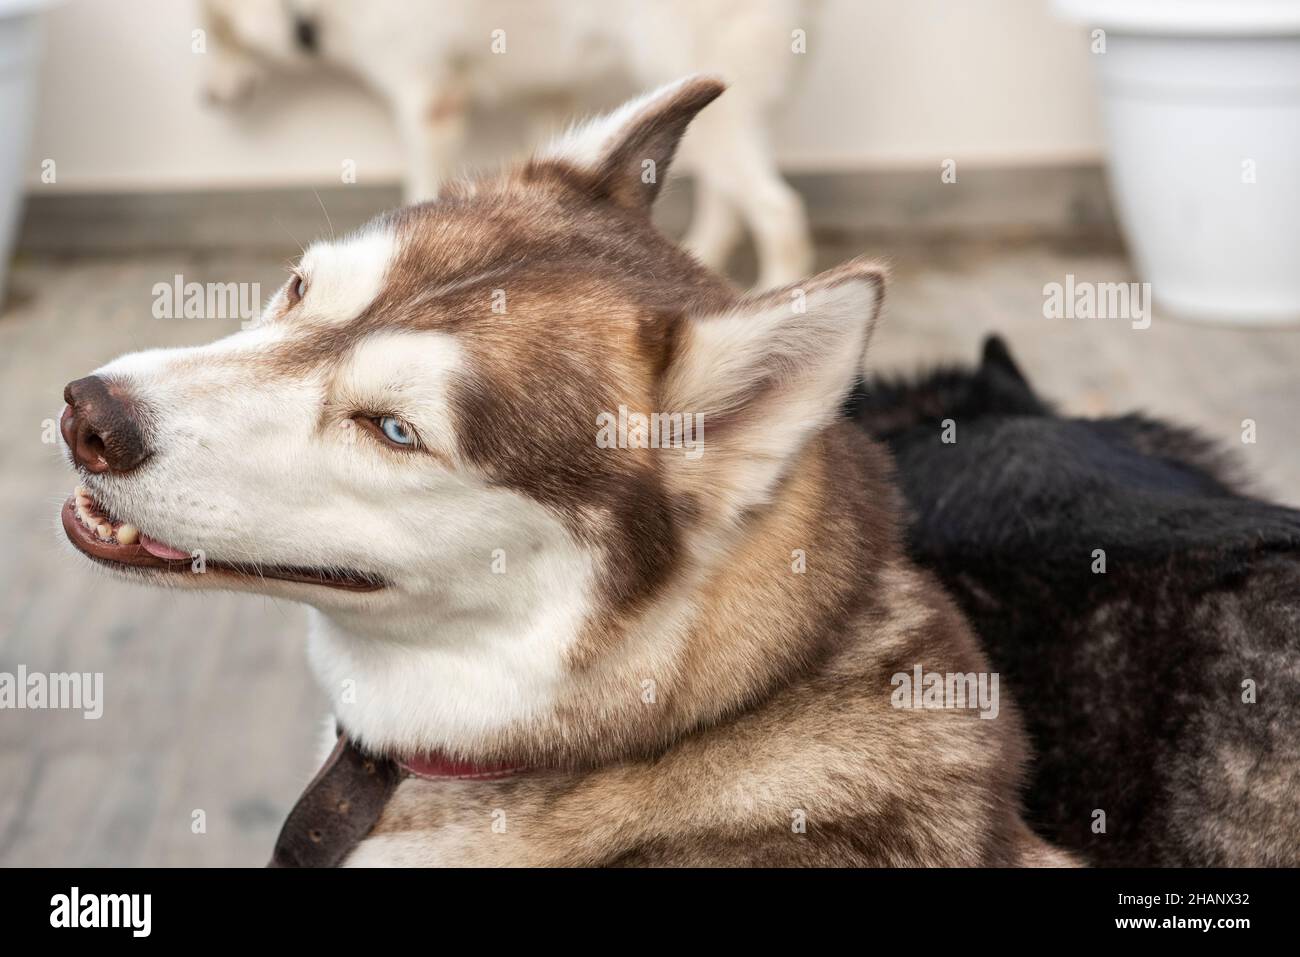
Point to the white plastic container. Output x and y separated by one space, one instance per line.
20 44
1201 101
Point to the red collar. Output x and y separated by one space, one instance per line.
348 795
436 766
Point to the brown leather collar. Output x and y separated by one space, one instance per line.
338 809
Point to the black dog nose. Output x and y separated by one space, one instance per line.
304 30
101 426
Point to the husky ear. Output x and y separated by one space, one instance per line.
628 151
997 355
1000 386
770 373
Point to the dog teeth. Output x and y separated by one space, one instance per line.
98 521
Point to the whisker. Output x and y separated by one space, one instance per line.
328 222
300 246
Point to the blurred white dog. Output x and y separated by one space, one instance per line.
431 61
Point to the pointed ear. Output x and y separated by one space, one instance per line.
627 152
997 355
1000 387
772 372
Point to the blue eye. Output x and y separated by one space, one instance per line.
396 431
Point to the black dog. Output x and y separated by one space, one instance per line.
1144 611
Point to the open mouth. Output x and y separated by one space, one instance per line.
109 540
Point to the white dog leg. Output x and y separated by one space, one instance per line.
730 151
228 76
715 226
432 129
776 217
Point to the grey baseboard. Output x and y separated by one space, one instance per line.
1048 202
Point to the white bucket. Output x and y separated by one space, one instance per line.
20 43
1201 100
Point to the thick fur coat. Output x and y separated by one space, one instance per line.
1162 692
689 659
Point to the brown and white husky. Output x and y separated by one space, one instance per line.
602 644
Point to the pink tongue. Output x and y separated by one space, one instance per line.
157 548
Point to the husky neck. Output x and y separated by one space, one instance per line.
549 678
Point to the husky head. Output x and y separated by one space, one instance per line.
475 430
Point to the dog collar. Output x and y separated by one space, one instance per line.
438 767
340 806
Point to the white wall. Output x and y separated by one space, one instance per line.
890 83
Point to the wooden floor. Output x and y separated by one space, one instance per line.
208 702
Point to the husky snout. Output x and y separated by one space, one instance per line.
102 426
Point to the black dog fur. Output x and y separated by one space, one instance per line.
1131 680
